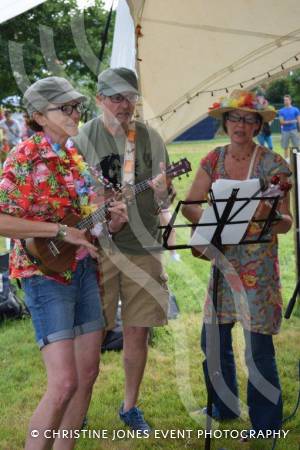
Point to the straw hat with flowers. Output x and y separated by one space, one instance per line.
245 101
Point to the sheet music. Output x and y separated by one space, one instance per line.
231 234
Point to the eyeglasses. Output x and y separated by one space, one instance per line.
67 110
250 120
119 98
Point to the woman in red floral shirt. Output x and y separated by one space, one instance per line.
42 182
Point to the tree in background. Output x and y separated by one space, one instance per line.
57 39
287 85
295 87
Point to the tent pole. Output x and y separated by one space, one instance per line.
104 39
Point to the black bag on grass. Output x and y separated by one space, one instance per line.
10 304
114 338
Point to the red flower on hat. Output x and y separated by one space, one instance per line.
215 105
248 100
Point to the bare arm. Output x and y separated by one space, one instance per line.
198 191
16 228
284 122
284 225
119 216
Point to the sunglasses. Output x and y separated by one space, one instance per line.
119 98
250 120
67 110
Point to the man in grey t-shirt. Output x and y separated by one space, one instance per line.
132 273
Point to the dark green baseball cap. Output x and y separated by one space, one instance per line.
55 90
117 80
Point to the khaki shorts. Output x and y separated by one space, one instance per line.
140 283
286 136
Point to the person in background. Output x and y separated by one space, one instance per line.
289 117
11 129
251 274
265 134
128 152
43 182
26 131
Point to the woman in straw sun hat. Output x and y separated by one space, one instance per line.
254 274
43 181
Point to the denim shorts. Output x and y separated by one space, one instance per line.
63 311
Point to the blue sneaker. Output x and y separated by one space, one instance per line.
134 419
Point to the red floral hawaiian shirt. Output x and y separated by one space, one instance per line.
39 184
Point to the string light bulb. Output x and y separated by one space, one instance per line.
241 84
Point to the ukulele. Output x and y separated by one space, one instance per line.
56 256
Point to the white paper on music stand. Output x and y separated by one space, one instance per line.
231 234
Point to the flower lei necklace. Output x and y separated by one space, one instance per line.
83 180
83 186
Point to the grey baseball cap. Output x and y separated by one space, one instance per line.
117 80
55 90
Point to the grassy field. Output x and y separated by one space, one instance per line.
173 390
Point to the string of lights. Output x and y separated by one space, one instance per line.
265 75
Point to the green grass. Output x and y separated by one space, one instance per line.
173 388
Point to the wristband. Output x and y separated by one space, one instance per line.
62 232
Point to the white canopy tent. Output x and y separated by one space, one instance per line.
10 9
189 51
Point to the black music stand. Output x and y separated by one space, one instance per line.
216 247
294 159
292 302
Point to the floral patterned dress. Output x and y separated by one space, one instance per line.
41 184
249 287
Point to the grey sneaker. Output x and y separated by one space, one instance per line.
134 419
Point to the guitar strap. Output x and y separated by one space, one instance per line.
129 156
